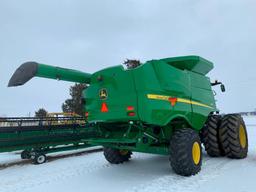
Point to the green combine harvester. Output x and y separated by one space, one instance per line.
164 107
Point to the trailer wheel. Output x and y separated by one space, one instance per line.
185 152
210 136
39 158
116 156
233 136
25 154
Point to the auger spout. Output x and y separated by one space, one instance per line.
29 70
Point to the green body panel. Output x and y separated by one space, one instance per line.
132 87
201 92
163 80
121 93
191 63
138 109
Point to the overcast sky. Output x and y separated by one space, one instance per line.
91 35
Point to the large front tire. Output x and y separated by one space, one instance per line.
233 136
185 152
116 156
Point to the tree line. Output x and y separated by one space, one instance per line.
70 105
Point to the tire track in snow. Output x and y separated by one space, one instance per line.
211 168
34 176
49 158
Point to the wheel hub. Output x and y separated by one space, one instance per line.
242 136
124 152
196 153
41 159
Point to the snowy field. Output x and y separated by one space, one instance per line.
91 172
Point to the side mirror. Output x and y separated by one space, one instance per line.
222 87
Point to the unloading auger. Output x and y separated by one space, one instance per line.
29 70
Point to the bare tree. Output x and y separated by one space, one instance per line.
132 63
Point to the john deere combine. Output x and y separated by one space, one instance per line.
163 107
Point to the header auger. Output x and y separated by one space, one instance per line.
164 106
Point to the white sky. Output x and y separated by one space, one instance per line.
91 35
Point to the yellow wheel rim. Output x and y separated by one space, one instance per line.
124 152
242 136
196 153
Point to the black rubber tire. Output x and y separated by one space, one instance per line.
25 154
229 136
181 158
39 158
114 156
210 136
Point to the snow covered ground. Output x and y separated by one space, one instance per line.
91 172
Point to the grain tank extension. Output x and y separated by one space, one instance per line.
164 106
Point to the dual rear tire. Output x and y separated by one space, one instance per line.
221 136
210 136
233 136
225 136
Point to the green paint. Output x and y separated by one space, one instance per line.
46 139
59 73
130 88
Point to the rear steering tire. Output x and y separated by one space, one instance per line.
116 156
185 152
233 136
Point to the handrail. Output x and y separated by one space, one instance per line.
45 121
